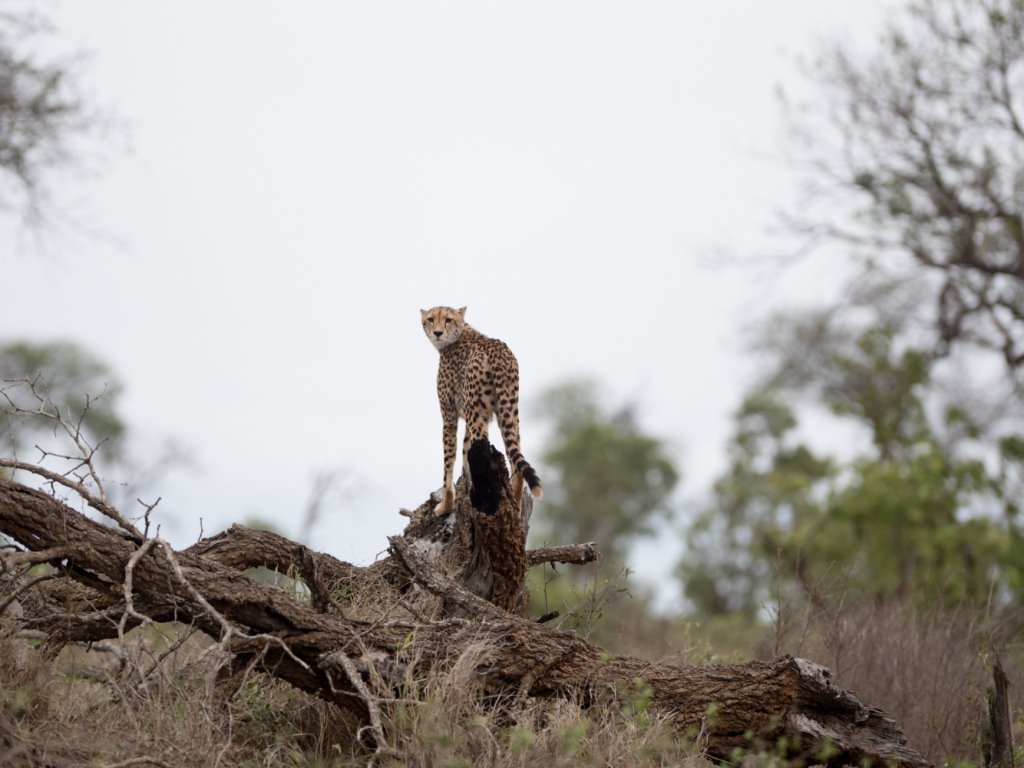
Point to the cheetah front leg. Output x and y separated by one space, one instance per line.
448 436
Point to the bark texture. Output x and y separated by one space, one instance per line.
449 586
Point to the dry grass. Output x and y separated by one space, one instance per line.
928 669
505 734
77 710
87 708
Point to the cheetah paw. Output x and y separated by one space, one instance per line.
445 498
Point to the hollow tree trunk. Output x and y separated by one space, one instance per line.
481 544
470 564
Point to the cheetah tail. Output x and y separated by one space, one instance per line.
522 466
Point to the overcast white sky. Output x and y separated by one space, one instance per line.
305 176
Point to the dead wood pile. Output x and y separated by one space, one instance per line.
352 633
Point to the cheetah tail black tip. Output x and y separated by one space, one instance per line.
530 476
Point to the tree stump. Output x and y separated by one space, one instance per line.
997 739
481 543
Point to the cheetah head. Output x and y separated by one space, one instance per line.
443 325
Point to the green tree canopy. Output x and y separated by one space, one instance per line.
927 508
914 161
772 484
610 482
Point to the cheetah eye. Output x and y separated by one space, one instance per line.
447 319
430 319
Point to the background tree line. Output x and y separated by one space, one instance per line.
914 163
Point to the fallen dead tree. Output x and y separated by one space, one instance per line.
352 635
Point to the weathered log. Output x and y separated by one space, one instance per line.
316 646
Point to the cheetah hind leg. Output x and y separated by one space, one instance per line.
517 489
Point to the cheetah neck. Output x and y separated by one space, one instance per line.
468 336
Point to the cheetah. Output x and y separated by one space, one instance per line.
478 378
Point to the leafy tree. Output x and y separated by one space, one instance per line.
928 510
773 485
914 162
915 167
609 481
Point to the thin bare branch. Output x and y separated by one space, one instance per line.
12 561
372 706
25 587
93 501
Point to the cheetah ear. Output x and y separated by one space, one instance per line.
423 313
462 312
